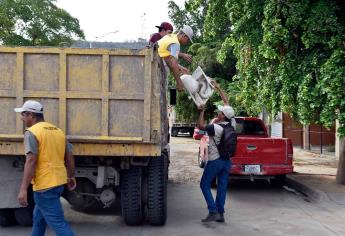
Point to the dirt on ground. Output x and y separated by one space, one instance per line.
184 160
312 163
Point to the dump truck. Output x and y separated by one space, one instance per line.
111 103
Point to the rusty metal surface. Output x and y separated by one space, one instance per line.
100 96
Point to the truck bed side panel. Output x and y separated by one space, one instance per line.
108 97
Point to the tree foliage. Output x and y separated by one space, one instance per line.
36 22
290 55
293 53
204 51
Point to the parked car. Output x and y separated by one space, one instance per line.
257 156
179 127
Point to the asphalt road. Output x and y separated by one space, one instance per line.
252 209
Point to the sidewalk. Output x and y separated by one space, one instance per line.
314 175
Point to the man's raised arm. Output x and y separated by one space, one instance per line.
221 93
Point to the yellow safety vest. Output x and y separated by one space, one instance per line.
164 43
50 168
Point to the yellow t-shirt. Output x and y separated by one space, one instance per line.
165 42
50 168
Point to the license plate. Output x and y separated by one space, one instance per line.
252 169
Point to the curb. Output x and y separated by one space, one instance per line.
303 187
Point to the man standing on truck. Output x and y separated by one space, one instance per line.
49 166
216 166
164 29
169 50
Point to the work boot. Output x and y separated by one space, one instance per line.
220 218
212 216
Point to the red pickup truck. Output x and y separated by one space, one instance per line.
257 156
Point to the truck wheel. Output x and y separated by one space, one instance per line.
157 190
201 162
7 217
24 215
131 201
278 181
81 202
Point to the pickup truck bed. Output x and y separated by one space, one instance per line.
259 156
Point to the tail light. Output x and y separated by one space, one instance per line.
289 150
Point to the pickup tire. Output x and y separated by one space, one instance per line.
157 190
7 217
214 183
278 181
131 200
201 162
174 132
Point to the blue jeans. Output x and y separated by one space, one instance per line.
218 168
48 211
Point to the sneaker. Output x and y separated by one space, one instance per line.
212 216
220 218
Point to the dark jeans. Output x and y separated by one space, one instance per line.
48 211
218 168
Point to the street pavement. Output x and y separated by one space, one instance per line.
252 208
314 175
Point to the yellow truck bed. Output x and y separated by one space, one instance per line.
110 102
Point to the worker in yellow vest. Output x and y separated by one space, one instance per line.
49 165
169 50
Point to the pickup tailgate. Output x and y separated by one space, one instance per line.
262 156
255 150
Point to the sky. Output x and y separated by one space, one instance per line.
118 20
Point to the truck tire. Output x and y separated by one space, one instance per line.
157 190
131 201
7 217
80 202
278 181
24 216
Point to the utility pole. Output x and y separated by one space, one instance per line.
340 179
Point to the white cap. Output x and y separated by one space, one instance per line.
228 111
187 30
31 106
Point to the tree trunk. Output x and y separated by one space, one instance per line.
341 166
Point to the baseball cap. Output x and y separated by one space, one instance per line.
165 26
187 30
228 111
31 106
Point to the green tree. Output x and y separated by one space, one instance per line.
204 51
290 55
36 22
